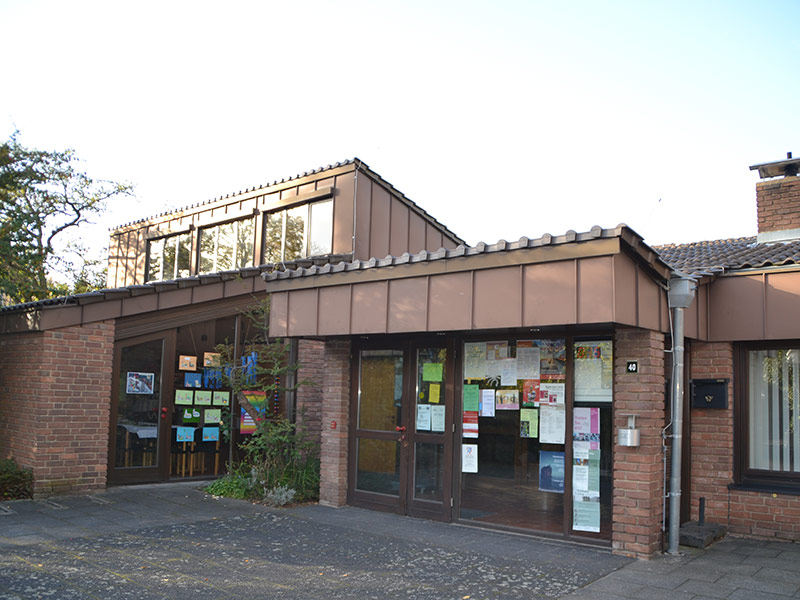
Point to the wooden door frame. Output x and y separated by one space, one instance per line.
160 471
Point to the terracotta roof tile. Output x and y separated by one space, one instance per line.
719 256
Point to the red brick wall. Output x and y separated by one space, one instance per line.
638 472
310 375
778 204
335 409
56 394
758 514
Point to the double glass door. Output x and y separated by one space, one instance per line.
402 440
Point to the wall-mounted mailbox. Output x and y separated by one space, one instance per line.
628 436
709 393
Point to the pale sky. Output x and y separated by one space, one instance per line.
501 119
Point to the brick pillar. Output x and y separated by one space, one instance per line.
638 472
310 374
335 409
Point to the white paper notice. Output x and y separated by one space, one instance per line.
508 372
487 403
494 369
475 360
528 361
552 393
552 423
423 417
469 458
437 418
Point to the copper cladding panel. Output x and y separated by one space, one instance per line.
450 302
369 307
61 316
649 303
302 319
549 292
783 305
239 286
498 298
100 311
208 291
416 233
736 309
625 290
433 238
139 304
363 216
398 240
334 310
113 261
343 214
595 290
380 222
278 314
407 304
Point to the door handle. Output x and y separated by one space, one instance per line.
400 428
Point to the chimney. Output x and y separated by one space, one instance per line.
778 200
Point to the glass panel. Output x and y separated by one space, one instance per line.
428 471
594 371
184 255
273 234
244 243
514 406
170 244
430 408
155 258
321 234
774 410
378 466
295 246
139 404
226 247
208 238
380 389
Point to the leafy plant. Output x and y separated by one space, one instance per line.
15 482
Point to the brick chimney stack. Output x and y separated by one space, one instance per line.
778 200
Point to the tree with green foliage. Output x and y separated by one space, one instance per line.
43 196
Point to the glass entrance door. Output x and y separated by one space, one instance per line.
139 413
401 447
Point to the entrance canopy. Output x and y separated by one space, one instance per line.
601 276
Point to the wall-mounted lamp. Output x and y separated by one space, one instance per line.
628 436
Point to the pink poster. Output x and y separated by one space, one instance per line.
586 426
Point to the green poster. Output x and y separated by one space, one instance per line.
431 371
594 470
212 415
184 397
471 398
202 398
529 423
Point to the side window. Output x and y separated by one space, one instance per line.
226 246
298 232
169 257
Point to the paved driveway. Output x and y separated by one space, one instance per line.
173 541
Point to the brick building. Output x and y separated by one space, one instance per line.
521 385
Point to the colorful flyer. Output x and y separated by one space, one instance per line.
551 471
552 393
529 423
470 424
139 383
202 397
506 400
191 415
487 403
437 418
530 393
553 359
469 458
184 397
528 360
192 380
432 371
212 415
586 425
212 378
211 359
184 434
210 434
221 398
258 400
434 391
496 350
471 397
187 363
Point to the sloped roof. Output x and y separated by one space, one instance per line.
720 256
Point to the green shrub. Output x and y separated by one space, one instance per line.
15 481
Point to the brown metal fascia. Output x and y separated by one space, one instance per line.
760 270
233 199
477 262
646 257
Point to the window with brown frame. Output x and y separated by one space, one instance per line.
769 416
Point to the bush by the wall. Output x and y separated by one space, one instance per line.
15 482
